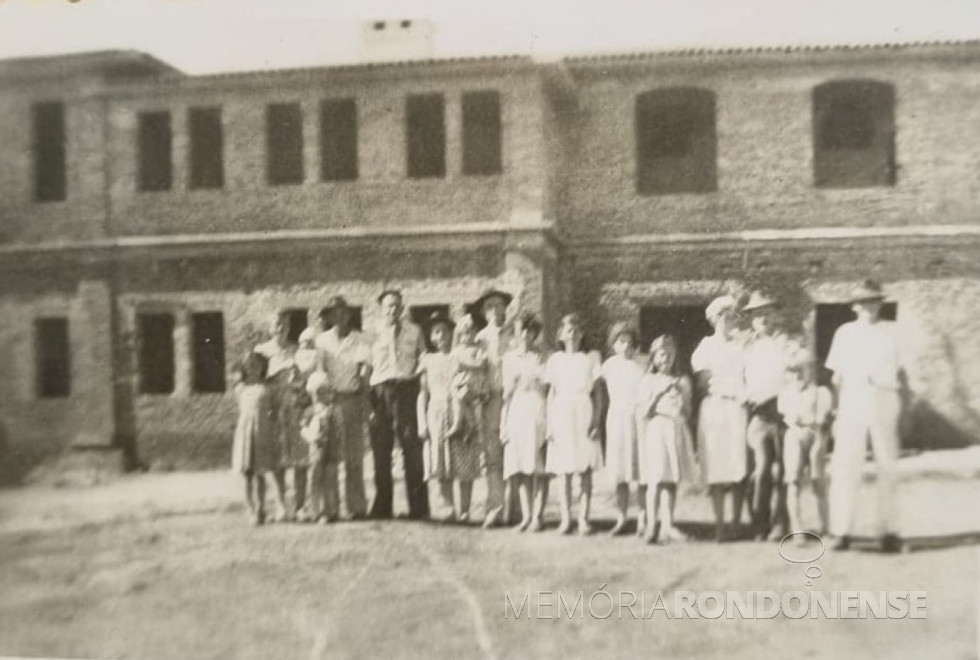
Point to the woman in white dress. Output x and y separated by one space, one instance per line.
523 428
573 421
667 448
621 375
720 379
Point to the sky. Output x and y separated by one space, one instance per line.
207 36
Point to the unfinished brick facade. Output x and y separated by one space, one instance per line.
563 226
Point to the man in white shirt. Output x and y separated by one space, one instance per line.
394 392
766 362
864 359
496 338
345 357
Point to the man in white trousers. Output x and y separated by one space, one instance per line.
864 359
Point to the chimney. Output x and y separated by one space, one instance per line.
401 39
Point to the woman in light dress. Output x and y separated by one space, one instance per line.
523 428
573 421
666 442
621 374
450 456
254 450
720 379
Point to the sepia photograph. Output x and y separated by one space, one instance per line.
525 329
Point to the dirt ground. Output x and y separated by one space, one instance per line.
166 566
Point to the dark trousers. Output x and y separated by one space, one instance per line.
394 420
764 439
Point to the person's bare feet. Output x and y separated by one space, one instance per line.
492 517
619 527
584 527
535 525
565 527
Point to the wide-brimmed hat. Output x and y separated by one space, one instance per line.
477 304
867 291
759 300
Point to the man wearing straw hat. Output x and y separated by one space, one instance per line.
864 359
766 362
496 338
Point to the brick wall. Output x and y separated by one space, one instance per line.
765 155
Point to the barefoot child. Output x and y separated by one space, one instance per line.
621 375
667 447
573 421
806 409
523 428
322 429
254 449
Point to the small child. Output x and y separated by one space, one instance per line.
468 385
806 409
322 429
254 451
667 446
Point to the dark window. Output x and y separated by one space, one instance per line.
207 148
481 133
426 130
209 352
338 140
297 320
854 134
832 316
156 163
676 145
685 322
53 357
284 143
420 314
48 135
156 353
355 319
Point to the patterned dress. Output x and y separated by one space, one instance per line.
289 400
523 380
254 449
445 458
571 377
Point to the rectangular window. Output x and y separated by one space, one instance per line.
854 134
156 353
53 354
481 133
156 162
206 148
297 321
208 330
48 150
426 136
338 140
676 144
284 143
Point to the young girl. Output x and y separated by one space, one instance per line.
523 429
668 453
621 375
720 376
573 421
454 451
287 388
254 449
806 409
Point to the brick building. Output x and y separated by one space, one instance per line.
151 222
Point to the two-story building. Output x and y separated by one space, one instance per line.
151 222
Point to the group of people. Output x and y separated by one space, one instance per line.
467 401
